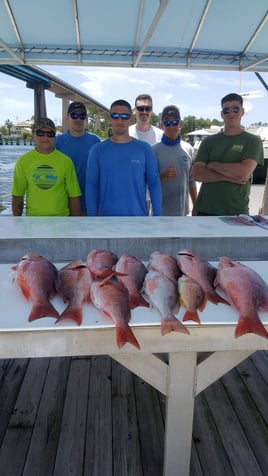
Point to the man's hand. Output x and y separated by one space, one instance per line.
170 173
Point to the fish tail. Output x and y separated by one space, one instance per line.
42 310
191 316
124 335
172 324
71 313
250 324
137 300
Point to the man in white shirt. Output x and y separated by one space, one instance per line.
143 129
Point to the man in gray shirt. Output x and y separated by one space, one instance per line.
174 158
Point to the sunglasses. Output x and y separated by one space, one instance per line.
144 108
49 134
75 116
174 122
124 115
227 110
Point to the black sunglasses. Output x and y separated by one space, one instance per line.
81 116
124 115
227 110
174 122
144 108
41 133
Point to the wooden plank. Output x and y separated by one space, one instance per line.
44 443
151 427
260 360
99 435
12 373
211 453
240 454
21 424
195 466
126 444
71 447
248 395
256 384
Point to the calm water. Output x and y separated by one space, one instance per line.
8 157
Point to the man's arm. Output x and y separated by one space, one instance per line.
17 205
193 193
237 171
74 204
205 173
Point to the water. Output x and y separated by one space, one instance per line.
8 156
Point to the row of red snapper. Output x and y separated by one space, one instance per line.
115 286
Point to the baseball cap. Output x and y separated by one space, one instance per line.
76 105
43 122
170 111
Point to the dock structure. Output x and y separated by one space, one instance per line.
92 416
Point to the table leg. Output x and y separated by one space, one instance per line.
179 413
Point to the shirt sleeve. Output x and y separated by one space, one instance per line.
19 182
202 153
255 150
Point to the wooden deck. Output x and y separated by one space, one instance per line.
92 417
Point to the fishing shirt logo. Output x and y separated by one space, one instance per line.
237 148
44 177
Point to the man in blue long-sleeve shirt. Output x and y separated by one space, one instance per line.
119 170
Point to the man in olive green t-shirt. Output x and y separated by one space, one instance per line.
225 163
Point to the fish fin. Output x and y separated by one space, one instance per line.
176 307
124 335
71 313
42 310
215 298
202 305
111 275
172 324
191 316
137 300
247 325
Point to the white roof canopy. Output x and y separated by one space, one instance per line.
197 34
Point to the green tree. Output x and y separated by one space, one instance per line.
8 125
191 123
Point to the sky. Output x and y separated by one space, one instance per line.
196 93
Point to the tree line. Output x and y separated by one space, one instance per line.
99 123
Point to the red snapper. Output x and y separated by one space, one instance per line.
111 298
36 276
73 285
163 294
247 292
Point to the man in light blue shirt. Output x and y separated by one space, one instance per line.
119 170
76 143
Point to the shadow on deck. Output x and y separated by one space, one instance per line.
92 417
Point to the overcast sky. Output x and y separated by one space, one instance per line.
196 93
